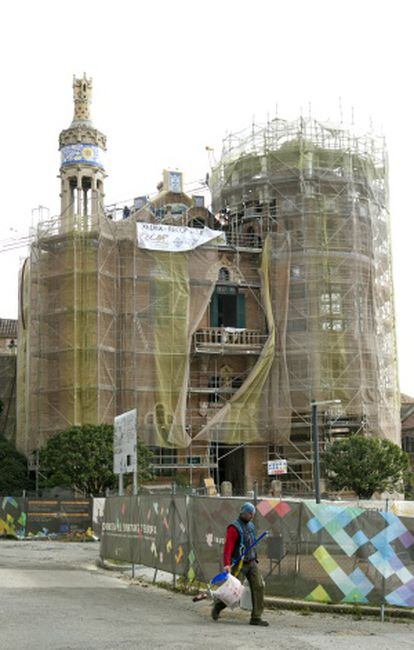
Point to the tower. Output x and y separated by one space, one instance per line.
82 172
68 296
326 190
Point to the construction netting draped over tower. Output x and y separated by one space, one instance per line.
328 189
164 294
171 293
67 333
260 409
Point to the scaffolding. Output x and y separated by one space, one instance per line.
67 346
106 326
8 337
328 189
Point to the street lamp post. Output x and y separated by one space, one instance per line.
315 441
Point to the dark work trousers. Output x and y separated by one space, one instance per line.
250 570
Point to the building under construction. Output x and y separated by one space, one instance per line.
219 325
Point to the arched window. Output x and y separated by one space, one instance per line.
73 191
224 274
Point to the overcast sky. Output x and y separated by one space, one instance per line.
172 77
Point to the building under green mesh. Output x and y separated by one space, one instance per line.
222 347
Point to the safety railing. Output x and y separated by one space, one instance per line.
244 240
216 339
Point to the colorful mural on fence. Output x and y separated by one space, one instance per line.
12 517
317 552
24 517
147 530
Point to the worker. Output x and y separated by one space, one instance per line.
239 536
126 212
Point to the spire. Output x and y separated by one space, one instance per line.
82 97
82 150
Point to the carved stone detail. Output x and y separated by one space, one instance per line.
82 97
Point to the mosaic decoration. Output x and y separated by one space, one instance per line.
85 154
25 517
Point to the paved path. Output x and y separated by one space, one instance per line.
53 596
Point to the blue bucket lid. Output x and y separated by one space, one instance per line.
220 577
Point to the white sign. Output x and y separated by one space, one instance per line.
276 467
125 442
175 239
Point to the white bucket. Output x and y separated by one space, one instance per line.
229 592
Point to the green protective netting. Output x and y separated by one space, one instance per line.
67 334
174 290
328 189
260 409
22 366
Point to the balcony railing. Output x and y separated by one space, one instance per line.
229 340
207 382
243 240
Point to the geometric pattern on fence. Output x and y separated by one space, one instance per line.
356 586
326 552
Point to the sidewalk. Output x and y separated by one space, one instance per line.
149 575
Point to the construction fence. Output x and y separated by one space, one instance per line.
316 552
26 517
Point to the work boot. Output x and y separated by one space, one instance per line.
258 621
215 612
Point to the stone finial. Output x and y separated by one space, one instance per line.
82 97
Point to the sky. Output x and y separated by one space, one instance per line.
172 77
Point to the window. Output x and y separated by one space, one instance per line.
408 444
251 239
227 309
333 325
224 274
331 303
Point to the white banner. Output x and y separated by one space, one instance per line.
276 467
125 442
175 239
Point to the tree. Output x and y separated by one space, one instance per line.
366 465
13 470
82 458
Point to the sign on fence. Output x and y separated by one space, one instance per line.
276 467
